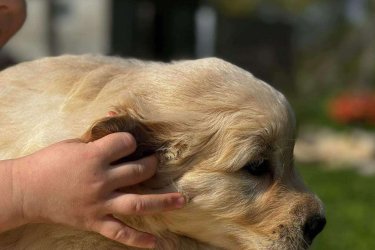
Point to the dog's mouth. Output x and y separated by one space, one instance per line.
295 238
288 243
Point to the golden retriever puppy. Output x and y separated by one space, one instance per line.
224 138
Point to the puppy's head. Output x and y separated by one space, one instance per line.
225 139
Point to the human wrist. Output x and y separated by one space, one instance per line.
28 186
11 215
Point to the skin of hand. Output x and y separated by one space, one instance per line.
12 17
75 184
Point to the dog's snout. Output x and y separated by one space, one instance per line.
313 226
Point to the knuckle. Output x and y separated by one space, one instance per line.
98 188
138 206
97 180
166 202
122 235
89 223
96 155
136 170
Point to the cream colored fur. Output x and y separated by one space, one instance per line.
205 118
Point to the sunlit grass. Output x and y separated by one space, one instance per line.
349 201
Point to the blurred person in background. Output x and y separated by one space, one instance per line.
12 17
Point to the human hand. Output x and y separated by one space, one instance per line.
74 183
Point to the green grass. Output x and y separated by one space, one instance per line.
314 112
349 201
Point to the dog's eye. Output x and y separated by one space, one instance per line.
257 168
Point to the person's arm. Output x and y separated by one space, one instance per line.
12 16
74 183
11 214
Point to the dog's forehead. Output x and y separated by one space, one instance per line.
233 83
258 106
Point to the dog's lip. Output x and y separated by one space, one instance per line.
303 245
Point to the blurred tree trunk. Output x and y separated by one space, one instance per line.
51 27
158 29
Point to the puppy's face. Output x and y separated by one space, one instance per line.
249 195
225 140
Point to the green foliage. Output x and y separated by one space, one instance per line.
312 110
349 202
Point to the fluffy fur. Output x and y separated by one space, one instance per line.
206 119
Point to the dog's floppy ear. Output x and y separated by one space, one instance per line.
123 123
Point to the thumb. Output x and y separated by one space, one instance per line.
114 229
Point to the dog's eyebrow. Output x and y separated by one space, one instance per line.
266 144
269 148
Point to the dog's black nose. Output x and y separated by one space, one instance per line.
313 226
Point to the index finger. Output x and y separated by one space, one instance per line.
115 146
131 173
